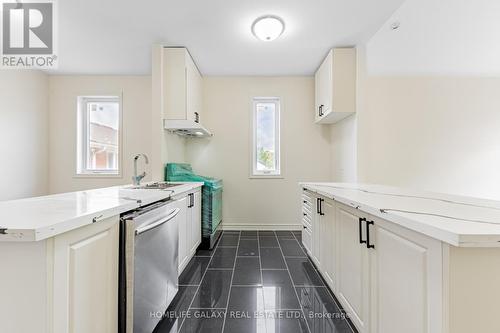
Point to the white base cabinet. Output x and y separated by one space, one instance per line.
353 280
387 278
65 284
86 279
406 280
189 226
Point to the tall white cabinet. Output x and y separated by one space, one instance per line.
388 279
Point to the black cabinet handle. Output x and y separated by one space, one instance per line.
321 110
196 117
191 200
321 207
304 227
304 214
305 201
368 245
361 220
317 205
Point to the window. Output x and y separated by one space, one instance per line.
99 120
266 137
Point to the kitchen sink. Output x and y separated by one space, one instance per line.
155 186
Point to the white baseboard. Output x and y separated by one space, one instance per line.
263 226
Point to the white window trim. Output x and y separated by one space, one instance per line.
254 174
81 138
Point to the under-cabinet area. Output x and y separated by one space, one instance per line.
391 279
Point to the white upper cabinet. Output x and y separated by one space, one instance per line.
335 86
182 86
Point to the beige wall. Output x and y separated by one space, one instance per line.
136 130
23 133
343 141
434 133
305 147
431 120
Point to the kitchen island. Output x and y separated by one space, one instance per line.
59 257
405 261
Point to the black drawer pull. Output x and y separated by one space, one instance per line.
361 220
368 245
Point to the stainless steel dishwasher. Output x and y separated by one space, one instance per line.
148 266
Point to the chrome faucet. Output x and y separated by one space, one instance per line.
136 179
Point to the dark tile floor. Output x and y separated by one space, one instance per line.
254 282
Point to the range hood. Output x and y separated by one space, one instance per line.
187 128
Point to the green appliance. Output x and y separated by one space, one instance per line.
211 200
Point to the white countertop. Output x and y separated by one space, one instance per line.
38 218
456 220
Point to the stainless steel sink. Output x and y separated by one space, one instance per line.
154 186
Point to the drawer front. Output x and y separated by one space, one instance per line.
306 220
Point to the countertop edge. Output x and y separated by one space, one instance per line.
451 238
60 227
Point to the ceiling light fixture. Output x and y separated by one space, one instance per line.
268 27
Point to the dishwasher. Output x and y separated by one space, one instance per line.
148 265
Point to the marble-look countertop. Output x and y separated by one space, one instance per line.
38 218
456 220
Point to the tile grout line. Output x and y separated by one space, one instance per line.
295 290
230 284
261 279
199 286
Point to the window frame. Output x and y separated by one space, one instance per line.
254 173
83 132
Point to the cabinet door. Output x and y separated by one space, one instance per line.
317 94
328 241
183 231
406 280
316 233
327 84
353 268
194 83
196 221
86 279
323 87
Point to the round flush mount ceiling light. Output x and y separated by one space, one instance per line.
268 27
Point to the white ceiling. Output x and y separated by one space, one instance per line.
115 36
445 37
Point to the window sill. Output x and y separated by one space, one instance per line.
98 175
266 177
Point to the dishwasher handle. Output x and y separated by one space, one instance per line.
158 223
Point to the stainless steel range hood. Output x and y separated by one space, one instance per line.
187 128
